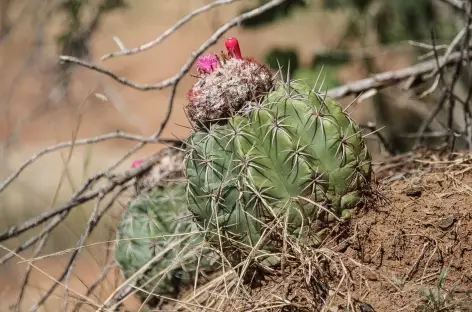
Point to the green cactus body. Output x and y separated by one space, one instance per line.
288 155
153 221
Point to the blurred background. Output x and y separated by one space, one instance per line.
44 102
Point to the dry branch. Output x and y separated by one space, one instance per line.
390 78
168 32
116 181
94 219
96 283
184 69
87 141
456 4
448 96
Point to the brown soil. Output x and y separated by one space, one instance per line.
424 226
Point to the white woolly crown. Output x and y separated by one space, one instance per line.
224 91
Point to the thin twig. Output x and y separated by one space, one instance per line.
165 121
92 223
373 128
24 282
448 92
75 201
440 66
51 226
87 141
93 220
455 77
58 218
95 284
168 32
456 4
389 78
49 276
466 104
186 67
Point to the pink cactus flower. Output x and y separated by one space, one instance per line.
207 63
232 46
136 163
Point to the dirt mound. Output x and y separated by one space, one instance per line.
423 227
408 249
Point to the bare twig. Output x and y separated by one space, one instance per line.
51 226
95 284
373 128
466 104
77 200
440 66
185 68
390 78
87 141
88 300
24 282
168 32
45 237
63 211
92 223
170 106
93 220
455 77
456 4
448 92
378 81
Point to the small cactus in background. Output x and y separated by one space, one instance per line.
153 221
156 218
292 152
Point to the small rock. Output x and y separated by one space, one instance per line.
370 276
446 222
365 307
413 191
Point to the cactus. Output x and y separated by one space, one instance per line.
154 220
291 152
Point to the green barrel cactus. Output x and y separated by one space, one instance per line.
288 153
157 230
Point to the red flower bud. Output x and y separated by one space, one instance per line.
232 46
